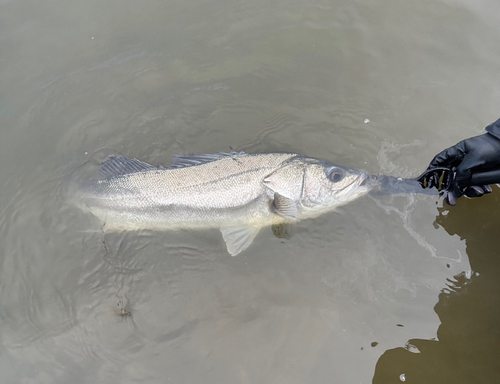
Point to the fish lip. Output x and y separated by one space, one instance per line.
360 181
363 177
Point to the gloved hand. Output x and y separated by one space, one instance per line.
477 154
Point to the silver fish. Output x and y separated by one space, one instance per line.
237 192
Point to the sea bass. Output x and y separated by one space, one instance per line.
237 192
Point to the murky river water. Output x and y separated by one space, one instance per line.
386 289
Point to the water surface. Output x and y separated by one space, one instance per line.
384 289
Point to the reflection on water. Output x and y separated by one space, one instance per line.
152 79
466 349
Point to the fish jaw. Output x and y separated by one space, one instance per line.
356 189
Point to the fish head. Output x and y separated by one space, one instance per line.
327 185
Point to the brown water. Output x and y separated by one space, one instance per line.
383 290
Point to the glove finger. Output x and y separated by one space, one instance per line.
462 179
450 198
487 189
449 157
474 191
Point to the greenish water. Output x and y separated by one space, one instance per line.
383 290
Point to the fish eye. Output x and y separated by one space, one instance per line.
335 174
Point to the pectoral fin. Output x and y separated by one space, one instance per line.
238 238
284 206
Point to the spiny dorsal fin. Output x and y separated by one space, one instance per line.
120 165
191 159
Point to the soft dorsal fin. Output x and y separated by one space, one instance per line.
191 159
120 165
238 238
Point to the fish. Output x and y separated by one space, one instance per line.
237 192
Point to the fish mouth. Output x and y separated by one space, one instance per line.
362 179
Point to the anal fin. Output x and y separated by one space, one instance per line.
238 238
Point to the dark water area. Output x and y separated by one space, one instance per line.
386 289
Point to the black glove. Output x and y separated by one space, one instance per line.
477 154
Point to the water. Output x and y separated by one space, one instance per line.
351 297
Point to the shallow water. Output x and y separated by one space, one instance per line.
351 297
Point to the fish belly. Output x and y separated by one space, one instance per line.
121 217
